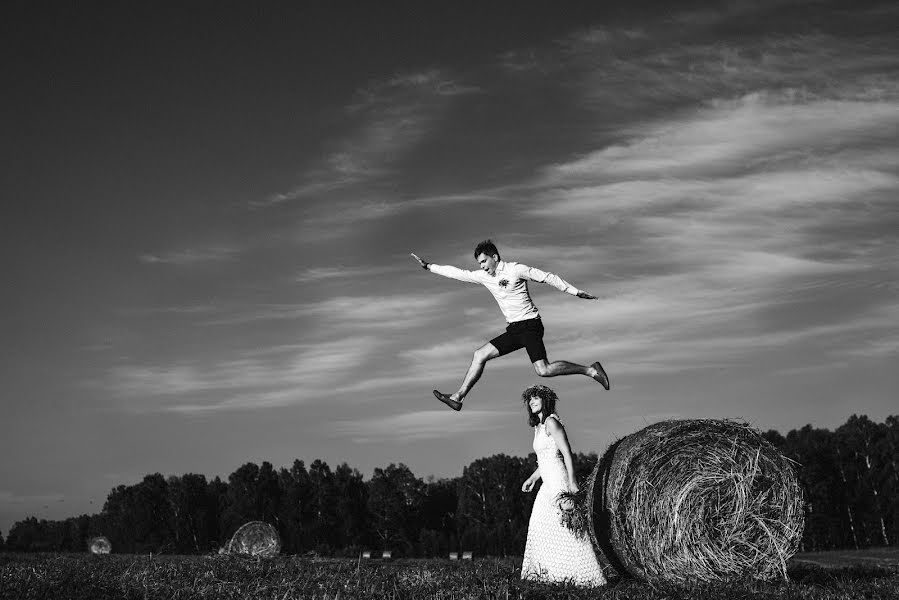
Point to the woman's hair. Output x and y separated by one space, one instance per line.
549 402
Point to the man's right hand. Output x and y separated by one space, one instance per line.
527 486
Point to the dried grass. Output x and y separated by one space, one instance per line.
575 509
683 502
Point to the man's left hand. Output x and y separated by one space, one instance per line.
424 264
586 296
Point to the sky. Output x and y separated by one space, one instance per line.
208 210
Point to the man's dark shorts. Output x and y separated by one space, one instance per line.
522 334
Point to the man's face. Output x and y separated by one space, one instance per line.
488 263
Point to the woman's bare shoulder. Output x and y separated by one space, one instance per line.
553 424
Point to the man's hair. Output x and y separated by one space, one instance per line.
549 402
486 247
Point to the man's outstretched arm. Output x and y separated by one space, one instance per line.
554 280
447 271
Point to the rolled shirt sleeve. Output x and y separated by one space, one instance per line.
455 273
534 274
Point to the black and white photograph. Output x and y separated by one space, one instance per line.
449 299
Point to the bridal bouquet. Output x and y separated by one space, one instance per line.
576 508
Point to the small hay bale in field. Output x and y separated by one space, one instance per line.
99 545
255 538
689 501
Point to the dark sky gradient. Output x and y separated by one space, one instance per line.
208 210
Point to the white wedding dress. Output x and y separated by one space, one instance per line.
552 552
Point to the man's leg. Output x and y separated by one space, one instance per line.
532 338
486 352
563 367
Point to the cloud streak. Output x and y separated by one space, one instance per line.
417 426
386 121
730 135
395 312
319 274
291 375
191 256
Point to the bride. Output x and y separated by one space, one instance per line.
552 552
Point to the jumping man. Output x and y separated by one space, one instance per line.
507 281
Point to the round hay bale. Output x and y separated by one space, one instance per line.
255 538
689 501
580 520
99 545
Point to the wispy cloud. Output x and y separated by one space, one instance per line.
386 121
395 312
730 136
318 274
417 426
319 184
690 62
456 349
294 375
186 310
878 348
191 256
369 206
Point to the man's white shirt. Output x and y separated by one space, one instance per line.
509 286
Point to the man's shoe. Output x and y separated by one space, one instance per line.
601 376
448 400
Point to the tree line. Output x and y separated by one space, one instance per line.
849 477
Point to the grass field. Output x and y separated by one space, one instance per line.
836 575
877 557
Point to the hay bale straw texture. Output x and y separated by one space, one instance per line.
683 502
99 545
255 538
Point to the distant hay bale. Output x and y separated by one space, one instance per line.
99 545
689 501
255 538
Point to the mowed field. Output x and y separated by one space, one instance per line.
830 575
875 557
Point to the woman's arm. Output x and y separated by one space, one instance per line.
558 432
531 481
